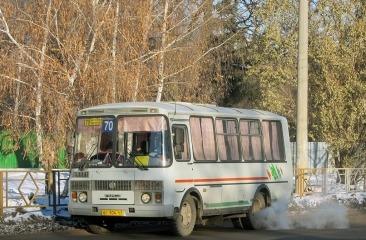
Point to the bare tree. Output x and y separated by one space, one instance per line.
39 89
38 71
161 55
114 50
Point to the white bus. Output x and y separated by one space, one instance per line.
180 162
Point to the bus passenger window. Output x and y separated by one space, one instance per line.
273 140
180 142
251 140
227 139
203 138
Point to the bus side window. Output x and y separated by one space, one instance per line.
180 142
273 140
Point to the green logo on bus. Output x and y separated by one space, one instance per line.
274 172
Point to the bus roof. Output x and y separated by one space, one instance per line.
179 108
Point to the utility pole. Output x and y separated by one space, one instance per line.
302 91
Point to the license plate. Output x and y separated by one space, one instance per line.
113 212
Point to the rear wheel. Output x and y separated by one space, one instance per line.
186 218
250 222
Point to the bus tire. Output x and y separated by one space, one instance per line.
97 229
259 203
249 222
185 220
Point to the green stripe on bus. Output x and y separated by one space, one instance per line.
227 204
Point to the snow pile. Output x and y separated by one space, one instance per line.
31 224
309 201
354 200
22 215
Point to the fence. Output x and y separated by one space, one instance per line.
27 188
318 155
330 180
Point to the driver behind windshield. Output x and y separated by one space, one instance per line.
106 148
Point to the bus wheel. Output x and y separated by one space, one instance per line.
259 203
249 222
99 228
186 218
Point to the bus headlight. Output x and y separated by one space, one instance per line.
145 197
83 197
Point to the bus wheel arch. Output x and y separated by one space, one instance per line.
261 199
263 189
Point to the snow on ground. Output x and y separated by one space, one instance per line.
353 199
311 211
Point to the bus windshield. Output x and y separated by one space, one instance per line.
94 142
143 141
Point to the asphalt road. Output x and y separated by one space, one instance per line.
357 230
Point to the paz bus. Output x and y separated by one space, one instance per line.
178 162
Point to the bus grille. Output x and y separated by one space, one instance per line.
80 174
79 185
148 185
115 185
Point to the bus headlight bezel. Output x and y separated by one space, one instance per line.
146 197
83 197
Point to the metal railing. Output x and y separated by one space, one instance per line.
29 188
330 180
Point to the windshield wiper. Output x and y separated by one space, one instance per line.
137 162
84 163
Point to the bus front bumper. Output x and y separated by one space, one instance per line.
148 211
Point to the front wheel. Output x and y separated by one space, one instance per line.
99 227
186 218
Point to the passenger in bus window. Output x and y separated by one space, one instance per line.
141 149
79 157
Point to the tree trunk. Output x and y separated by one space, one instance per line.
17 92
39 91
114 50
161 55
143 48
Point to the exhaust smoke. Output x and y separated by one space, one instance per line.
326 215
